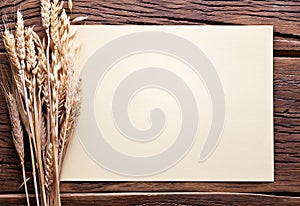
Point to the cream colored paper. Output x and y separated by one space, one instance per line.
242 59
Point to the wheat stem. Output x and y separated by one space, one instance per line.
34 172
31 138
25 183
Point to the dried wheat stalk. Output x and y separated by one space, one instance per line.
44 98
17 133
21 52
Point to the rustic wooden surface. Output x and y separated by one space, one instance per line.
284 15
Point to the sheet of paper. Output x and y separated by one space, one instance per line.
174 103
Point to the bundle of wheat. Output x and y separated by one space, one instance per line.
43 95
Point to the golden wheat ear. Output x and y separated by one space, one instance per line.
20 39
17 129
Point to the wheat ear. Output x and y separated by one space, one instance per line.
10 46
70 94
31 57
9 42
16 126
20 39
18 138
45 13
17 130
49 164
64 59
54 33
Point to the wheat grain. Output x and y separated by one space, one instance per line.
44 140
70 5
79 19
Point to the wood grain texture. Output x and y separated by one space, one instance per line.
287 148
155 199
284 15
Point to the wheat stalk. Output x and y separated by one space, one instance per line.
35 104
17 130
44 99
52 95
18 138
21 52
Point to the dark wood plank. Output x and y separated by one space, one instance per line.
284 15
287 148
154 199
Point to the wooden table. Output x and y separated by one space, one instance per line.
284 15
